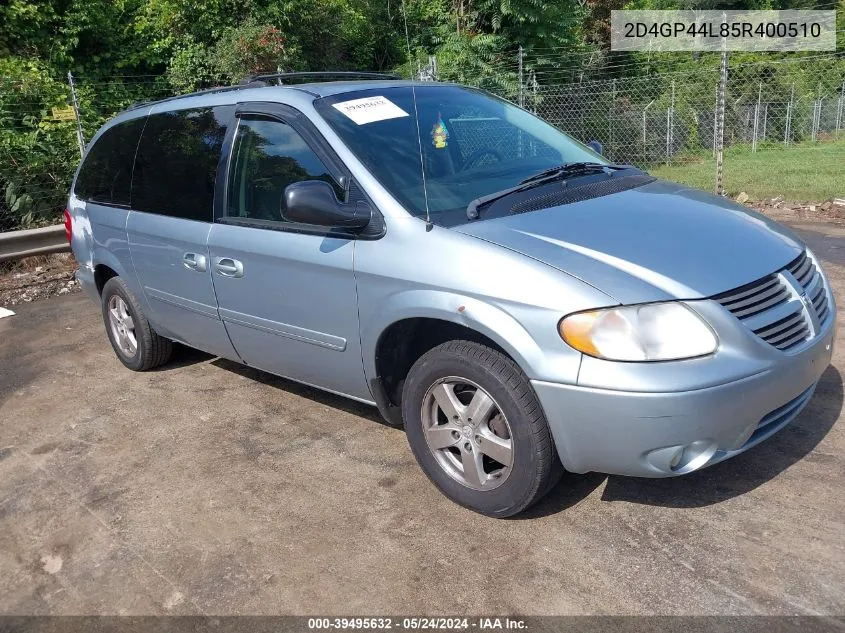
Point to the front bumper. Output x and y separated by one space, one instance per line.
648 434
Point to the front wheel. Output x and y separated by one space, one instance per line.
477 429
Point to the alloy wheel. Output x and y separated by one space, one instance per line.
467 433
122 325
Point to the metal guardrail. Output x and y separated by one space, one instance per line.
18 244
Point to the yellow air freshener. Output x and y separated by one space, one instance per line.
439 133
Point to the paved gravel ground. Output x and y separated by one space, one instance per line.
207 487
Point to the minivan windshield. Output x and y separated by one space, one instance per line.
472 144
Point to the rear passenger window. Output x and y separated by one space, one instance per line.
268 156
177 162
106 174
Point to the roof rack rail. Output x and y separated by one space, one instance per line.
207 91
256 81
317 75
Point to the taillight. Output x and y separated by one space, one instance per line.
68 225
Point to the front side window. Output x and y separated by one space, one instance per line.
106 175
470 144
177 161
268 156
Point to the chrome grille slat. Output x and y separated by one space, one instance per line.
756 298
772 316
803 269
823 315
769 330
771 309
821 309
805 279
795 340
807 276
784 337
761 286
814 286
780 297
796 263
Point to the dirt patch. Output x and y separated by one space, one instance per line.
35 278
831 211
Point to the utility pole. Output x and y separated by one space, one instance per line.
521 82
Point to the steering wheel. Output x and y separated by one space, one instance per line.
473 158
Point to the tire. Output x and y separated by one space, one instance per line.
150 349
514 430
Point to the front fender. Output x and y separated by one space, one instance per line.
553 360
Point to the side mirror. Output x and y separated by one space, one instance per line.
314 202
596 147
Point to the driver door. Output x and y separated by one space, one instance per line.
286 292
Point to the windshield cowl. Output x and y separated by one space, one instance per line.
554 174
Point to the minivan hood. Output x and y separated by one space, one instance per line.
655 242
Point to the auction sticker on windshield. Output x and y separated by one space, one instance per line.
370 109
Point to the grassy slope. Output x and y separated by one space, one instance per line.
805 173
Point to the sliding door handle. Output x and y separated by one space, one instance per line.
195 262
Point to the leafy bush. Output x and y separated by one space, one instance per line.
37 153
244 50
249 50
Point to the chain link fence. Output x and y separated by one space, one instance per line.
670 118
674 118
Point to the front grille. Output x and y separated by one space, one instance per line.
772 307
806 274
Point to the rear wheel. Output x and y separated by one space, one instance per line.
477 429
136 344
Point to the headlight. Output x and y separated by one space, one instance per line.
649 332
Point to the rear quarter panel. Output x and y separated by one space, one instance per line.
99 231
99 238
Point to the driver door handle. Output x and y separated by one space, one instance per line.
228 267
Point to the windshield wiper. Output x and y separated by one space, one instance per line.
547 175
569 169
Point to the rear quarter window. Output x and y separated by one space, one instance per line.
106 174
176 164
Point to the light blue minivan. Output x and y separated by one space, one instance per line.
520 304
